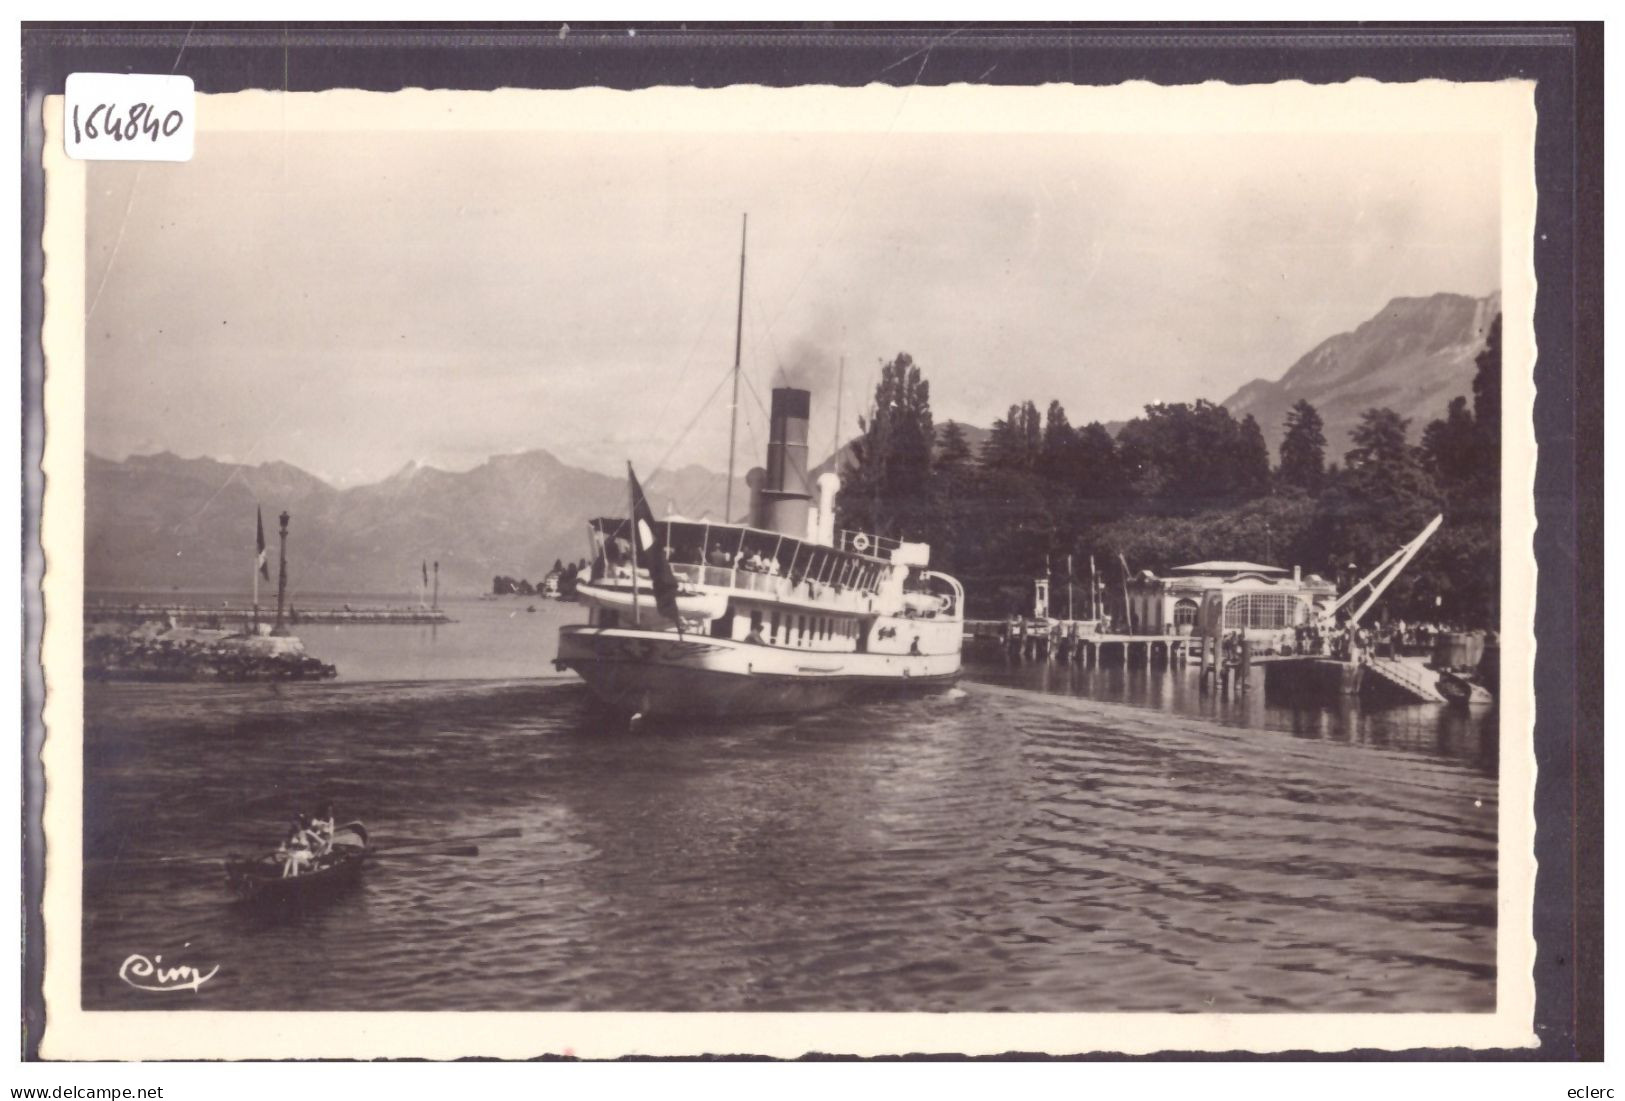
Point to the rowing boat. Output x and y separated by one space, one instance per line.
260 879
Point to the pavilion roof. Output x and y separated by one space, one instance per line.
1226 568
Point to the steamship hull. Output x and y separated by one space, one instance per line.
656 673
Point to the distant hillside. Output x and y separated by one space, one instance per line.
160 521
1413 357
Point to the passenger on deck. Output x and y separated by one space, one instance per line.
755 636
717 557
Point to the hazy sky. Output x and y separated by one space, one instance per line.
349 303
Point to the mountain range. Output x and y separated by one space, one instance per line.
161 521
166 522
1413 357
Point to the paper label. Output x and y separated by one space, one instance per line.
130 117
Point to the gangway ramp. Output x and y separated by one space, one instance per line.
1412 678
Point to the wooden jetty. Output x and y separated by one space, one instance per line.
1058 639
1225 669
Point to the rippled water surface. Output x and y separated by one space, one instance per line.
990 847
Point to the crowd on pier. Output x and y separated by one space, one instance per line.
1342 642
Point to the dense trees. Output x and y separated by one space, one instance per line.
1449 446
1303 448
1487 404
1185 482
1015 441
1462 453
889 477
953 448
1184 457
1252 469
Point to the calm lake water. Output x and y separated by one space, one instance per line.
1042 838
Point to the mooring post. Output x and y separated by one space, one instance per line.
279 628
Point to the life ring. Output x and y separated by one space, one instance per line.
860 542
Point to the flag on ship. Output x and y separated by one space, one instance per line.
650 553
425 573
261 557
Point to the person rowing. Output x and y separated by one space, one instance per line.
295 851
321 828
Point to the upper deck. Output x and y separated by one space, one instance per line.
861 575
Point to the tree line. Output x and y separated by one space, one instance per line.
568 574
1187 482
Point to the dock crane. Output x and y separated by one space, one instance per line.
1380 578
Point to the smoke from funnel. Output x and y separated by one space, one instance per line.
810 364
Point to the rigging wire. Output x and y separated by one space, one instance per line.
751 388
758 315
698 413
688 362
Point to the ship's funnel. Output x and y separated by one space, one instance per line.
787 442
785 495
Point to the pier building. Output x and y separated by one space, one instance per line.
1259 601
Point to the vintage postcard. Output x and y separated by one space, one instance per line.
768 571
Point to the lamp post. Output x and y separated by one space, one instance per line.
280 628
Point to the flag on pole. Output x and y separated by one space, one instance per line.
1128 614
651 552
425 573
261 557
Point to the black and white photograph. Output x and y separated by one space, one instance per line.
838 569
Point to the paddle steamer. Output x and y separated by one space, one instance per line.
778 614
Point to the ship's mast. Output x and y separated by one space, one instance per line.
840 384
733 409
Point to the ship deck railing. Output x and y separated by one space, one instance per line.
773 587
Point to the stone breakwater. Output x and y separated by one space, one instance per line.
221 618
154 653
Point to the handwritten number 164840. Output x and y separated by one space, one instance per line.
139 120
